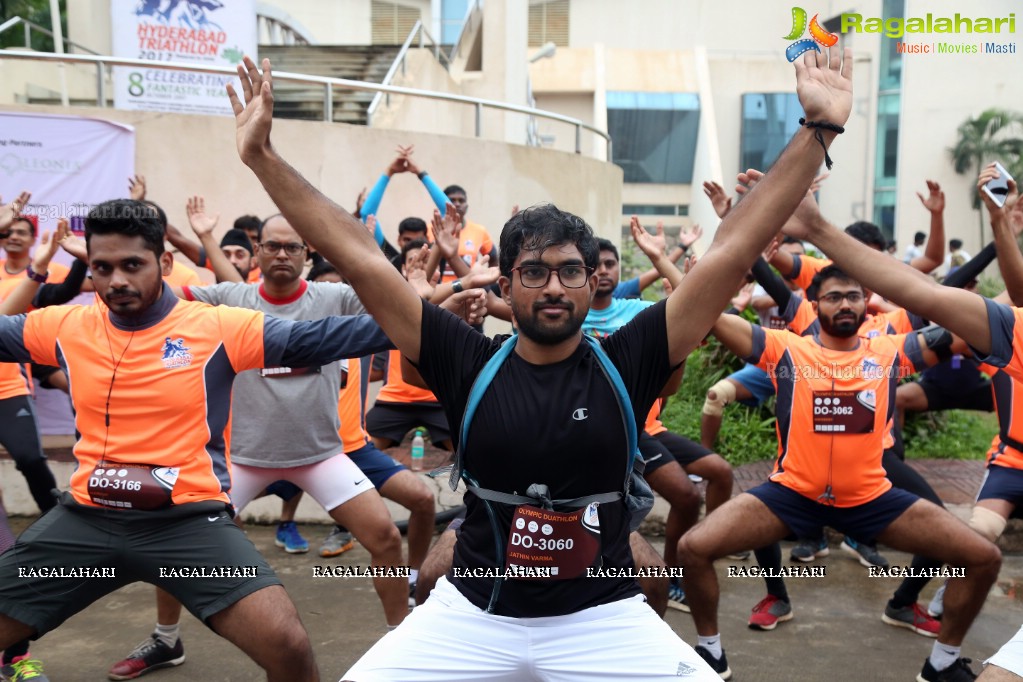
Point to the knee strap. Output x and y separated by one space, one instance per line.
988 523
723 392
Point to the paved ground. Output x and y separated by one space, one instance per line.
837 628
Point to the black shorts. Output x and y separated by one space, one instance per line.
394 420
113 548
806 518
1003 483
979 397
668 447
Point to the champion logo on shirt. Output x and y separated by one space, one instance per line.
175 354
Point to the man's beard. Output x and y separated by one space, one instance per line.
548 333
846 327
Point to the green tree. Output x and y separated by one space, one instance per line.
36 11
995 135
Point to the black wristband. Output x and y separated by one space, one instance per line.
457 287
36 276
820 137
422 174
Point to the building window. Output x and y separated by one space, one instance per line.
654 134
884 212
886 162
769 120
391 23
656 209
891 60
452 15
548 23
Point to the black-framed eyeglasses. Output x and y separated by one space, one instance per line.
835 297
274 248
537 275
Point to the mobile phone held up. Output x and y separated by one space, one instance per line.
998 188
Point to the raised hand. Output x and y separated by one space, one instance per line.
371 223
743 298
690 235
651 245
689 264
445 231
989 173
202 224
935 199
48 246
470 305
10 211
716 193
415 271
359 201
75 246
772 248
819 180
824 85
399 165
137 187
481 274
253 118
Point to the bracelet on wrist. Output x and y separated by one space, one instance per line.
422 174
826 125
36 276
457 286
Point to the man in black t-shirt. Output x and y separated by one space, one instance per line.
549 417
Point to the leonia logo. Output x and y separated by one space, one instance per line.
175 353
818 36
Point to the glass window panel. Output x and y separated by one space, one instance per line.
655 135
769 120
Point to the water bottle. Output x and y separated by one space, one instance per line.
418 447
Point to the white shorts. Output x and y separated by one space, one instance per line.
331 482
1010 656
448 639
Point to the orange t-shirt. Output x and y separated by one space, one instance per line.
169 388
395 390
473 241
1008 399
351 404
56 272
833 410
653 424
14 379
805 269
183 276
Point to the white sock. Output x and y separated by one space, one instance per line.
168 634
711 644
413 576
943 655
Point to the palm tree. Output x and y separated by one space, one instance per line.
995 135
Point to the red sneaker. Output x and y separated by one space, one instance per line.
769 612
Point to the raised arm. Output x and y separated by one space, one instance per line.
735 334
334 232
1003 221
959 311
934 254
203 224
653 246
824 87
21 297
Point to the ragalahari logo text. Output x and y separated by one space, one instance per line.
818 36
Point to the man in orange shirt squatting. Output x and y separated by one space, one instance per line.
150 497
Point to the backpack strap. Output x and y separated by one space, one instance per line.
624 405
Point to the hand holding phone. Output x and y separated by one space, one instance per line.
998 188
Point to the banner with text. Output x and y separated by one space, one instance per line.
206 32
69 164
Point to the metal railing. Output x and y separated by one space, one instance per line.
328 85
399 64
30 26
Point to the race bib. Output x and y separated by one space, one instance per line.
550 545
843 412
132 486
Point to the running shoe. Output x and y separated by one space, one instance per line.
288 537
718 665
937 606
739 556
808 550
957 672
867 554
913 618
148 656
769 612
23 669
677 598
338 542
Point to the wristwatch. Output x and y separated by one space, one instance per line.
36 276
457 287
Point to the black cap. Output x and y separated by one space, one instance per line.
234 237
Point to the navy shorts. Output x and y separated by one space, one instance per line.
285 490
668 447
756 381
806 518
1003 483
375 464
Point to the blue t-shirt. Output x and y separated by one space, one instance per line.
605 322
627 289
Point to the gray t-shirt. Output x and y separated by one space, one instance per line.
284 417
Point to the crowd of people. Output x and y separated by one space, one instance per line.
555 430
